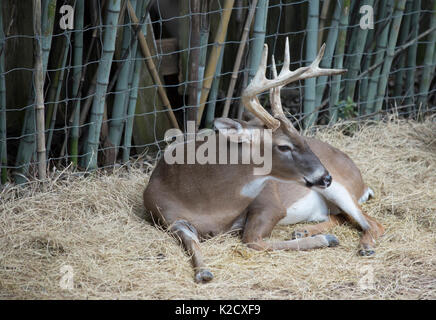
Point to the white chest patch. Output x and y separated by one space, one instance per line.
254 187
311 207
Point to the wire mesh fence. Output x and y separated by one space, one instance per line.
118 74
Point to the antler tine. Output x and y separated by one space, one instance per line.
315 71
276 102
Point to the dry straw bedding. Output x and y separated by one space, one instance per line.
92 226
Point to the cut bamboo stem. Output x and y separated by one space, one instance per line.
79 13
323 19
194 60
152 68
238 60
311 52
3 127
39 90
214 55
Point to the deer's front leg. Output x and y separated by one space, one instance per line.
311 230
188 236
260 223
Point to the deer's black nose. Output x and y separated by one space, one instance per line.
327 180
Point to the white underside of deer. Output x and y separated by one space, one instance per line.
315 206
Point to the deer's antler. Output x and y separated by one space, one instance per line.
260 84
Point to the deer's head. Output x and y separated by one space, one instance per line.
292 159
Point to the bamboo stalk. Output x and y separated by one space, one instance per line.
119 106
393 36
323 19
214 55
364 81
404 33
133 95
39 90
311 51
3 127
152 68
258 40
57 87
326 62
339 60
204 39
411 55
27 146
210 114
239 58
194 60
381 47
358 41
79 14
103 72
428 62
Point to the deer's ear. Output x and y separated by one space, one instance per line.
234 130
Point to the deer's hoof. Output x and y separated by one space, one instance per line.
203 276
366 252
298 234
332 240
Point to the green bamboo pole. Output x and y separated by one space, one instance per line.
79 14
404 33
311 52
411 56
57 84
119 106
339 60
214 55
3 128
381 47
322 20
429 66
103 72
258 40
39 91
326 62
393 36
27 146
364 82
357 44
210 115
133 94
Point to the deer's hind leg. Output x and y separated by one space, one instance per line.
261 221
188 236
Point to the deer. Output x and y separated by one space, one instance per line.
198 201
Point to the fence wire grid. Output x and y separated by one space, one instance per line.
395 63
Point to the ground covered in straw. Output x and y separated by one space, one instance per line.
87 230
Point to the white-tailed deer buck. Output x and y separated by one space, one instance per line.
196 201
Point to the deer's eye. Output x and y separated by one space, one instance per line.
284 148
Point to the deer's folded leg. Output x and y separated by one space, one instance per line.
260 224
188 236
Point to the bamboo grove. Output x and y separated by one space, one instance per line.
106 90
